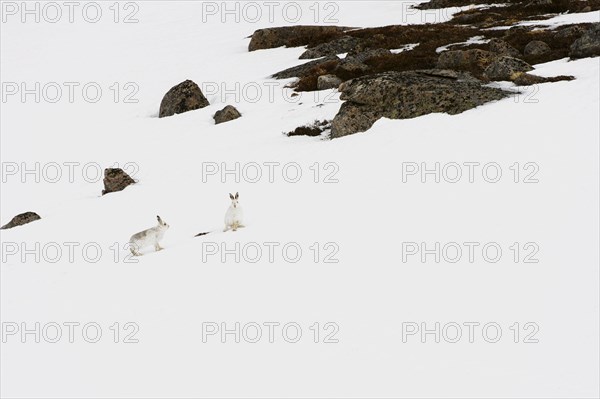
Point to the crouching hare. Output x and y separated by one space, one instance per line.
148 238
234 218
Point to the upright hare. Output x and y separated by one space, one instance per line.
148 238
234 218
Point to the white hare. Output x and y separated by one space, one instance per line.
148 238
234 218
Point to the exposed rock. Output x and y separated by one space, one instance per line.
227 114
292 36
313 130
536 47
399 95
116 179
304 69
342 45
465 59
588 45
328 82
503 68
500 47
186 96
21 219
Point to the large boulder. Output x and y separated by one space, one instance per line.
338 46
588 45
116 179
536 47
227 114
186 96
400 95
505 67
21 219
292 36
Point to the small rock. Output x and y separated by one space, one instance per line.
328 82
21 219
227 114
115 179
536 47
184 97
500 47
503 68
588 45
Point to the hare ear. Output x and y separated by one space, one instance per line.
237 195
159 219
231 196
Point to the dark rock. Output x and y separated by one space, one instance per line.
325 82
184 97
400 95
21 219
536 47
503 68
227 114
116 179
304 69
588 45
500 47
342 45
292 36
313 130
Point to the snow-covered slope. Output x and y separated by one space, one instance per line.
360 208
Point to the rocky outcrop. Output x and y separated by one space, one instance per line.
115 179
354 64
227 114
505 67
338 46
400 95
184 97
588 45
292 36
536 47
21 219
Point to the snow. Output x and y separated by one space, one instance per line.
369 293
